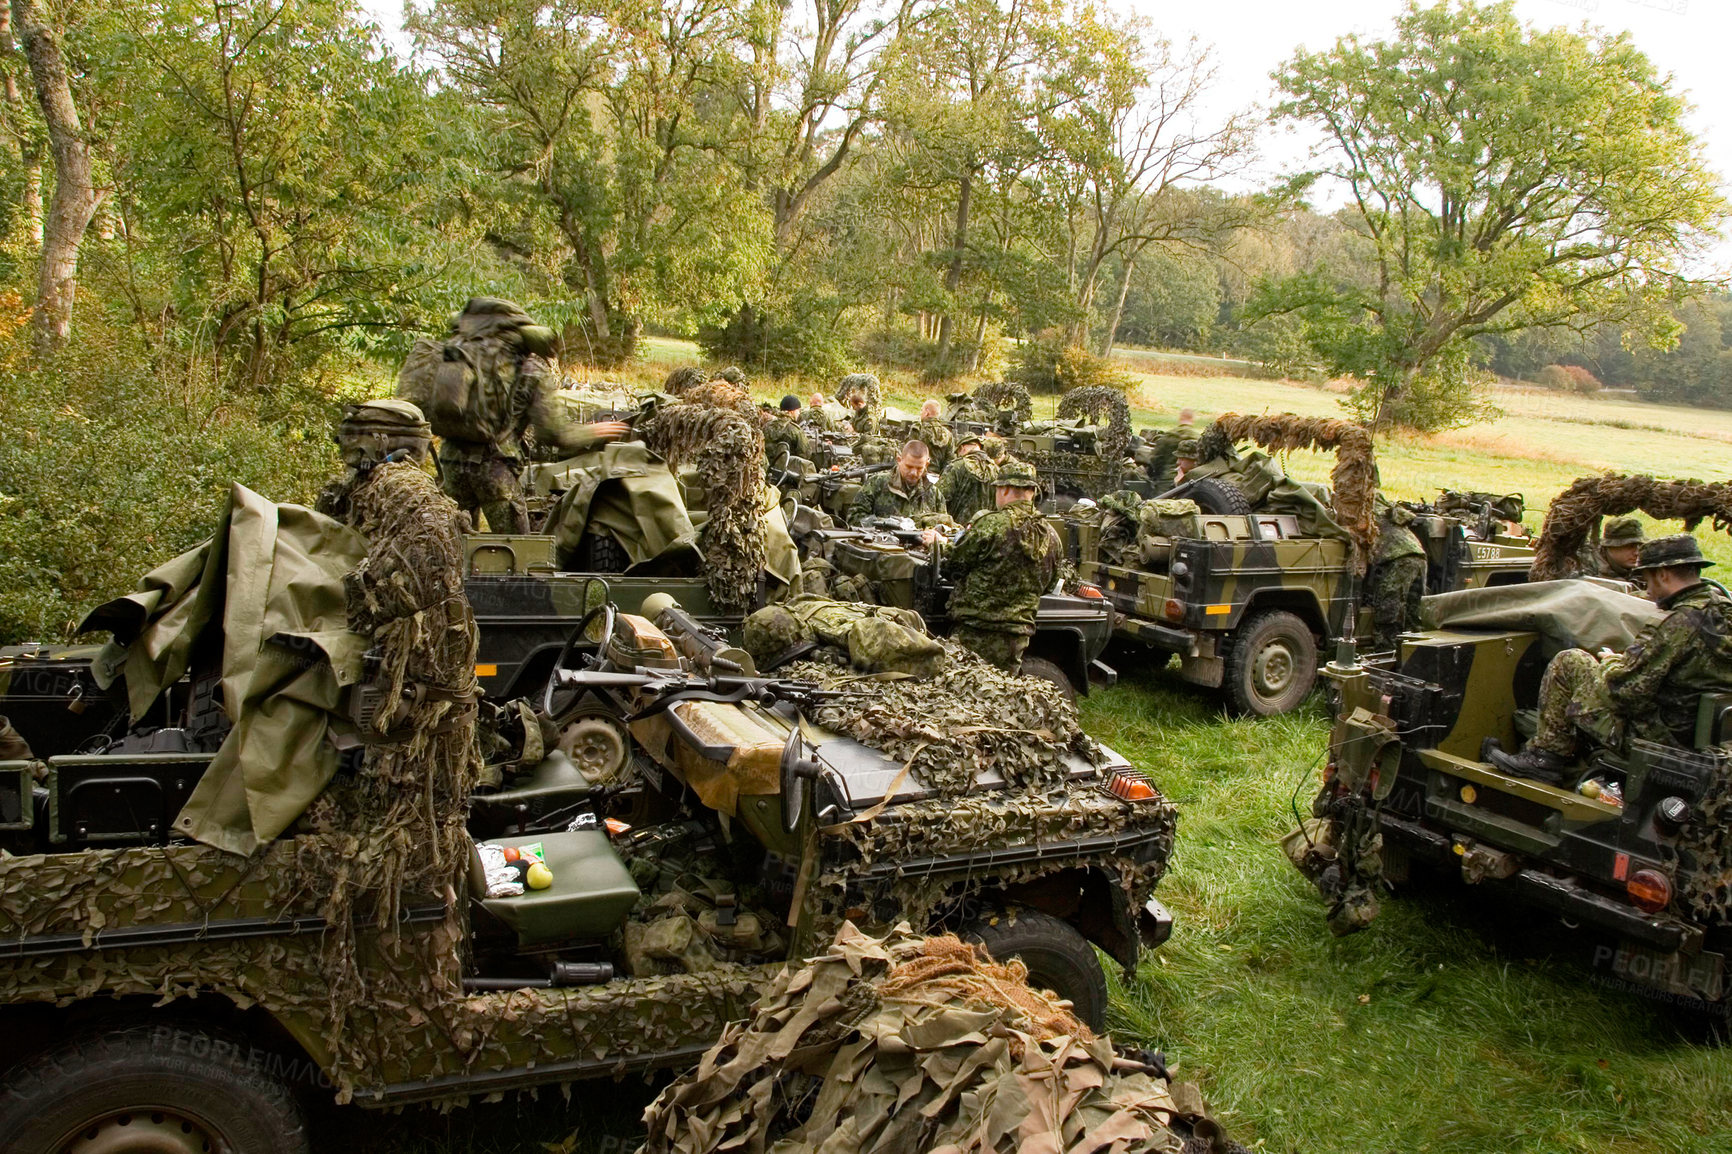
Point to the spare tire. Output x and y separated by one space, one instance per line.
1220 498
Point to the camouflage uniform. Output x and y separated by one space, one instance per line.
939 439
966 487
1622 531
1165 462
782 431
1002 565
1649 690
883 496
1396 579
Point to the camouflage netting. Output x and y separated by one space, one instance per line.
1577 510
727 448
1095 402
860 383
1005 402
726 395
1353 480
683 378
965 720
906 1044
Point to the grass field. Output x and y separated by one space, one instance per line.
1446 1026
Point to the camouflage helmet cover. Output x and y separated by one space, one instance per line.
1017 475
1622 531
1676 552
385 417
770 632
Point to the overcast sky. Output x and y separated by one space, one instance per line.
1250 38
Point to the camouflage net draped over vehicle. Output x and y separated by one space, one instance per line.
727 448
1094 401
1004 402
1575 512
1353 480
951 727
912 1044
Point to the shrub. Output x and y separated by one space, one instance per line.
898 348
1553 377
810 341
1581 380
1048 365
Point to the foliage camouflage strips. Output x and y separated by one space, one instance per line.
1576 512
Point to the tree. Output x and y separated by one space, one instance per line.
75 194
1501 178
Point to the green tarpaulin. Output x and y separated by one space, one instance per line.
1568 614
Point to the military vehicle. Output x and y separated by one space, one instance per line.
1247 587
161 994
1631 849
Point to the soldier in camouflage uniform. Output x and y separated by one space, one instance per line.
965 489
511 413
937 435
815 416
901 491
1002 565
785 430
1619 552
1164 468
1649 690
1396 579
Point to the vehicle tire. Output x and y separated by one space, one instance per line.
1272 664
154 1088
598 554
1058 958
1218 498
1049 671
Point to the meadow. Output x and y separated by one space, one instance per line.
1453 1024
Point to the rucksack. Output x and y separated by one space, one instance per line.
467 385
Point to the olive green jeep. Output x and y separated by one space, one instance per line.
160 994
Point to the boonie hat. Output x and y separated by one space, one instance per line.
1677 552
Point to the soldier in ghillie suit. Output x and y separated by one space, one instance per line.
785 430
1397 578
859 391
1002 565
1648 691
937 435
965 489
1619 552
901 491
486 390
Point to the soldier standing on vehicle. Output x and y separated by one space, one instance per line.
1396 579
1619 552
486 392
1651 689
861 391
1002 564
966 488
1165 466
904 490
937 436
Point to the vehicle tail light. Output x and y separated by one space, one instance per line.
1649 889
1086 590
1132 785
1174 609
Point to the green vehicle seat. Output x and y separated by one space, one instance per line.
591 894
1713 719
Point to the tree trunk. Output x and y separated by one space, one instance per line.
979 334
75 196
953 275
1119 309
29 152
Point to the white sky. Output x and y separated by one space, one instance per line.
1250 38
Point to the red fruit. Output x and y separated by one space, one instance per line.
512 853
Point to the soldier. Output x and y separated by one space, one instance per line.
901 491
785 430
937 436
486 390
861 418
1184 458
965 489
1649 690
1619 552
1163 468
371 434
1396 579
813 414
1002 565
997 449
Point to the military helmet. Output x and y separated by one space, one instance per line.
1187 449
1016 474
1622 531
964 440
770 632
376 429
486 314
1677 552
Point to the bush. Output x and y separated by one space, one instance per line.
1568 378
809 342
112 464
1048 365
904 349
1553 377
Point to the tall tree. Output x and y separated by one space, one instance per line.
75 193
1502 178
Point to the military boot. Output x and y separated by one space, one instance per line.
1534 764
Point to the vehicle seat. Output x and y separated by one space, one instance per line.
591 894
1713 719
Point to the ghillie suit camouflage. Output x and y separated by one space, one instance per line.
1095 402
1353 480
1576 511
921 1044
727 448
683 378
1004 404
866 421
721 394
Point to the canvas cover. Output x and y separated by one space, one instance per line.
271 582
623 491
1580 614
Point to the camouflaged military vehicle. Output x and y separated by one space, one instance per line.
1631 850
1246 575
160 994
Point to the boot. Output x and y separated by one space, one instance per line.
1534 764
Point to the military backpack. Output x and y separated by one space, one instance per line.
468 384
